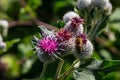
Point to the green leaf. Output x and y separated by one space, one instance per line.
83 75
95 64
101 68
34 3
102 65
11 43
114 20
26 50
110 64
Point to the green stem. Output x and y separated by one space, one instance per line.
43 70
96 18
68 71
59 68
86 22
92 35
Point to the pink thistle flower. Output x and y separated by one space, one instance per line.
64 34
48 45
48 48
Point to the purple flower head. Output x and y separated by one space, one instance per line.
84 38
48 45
64 34
75 22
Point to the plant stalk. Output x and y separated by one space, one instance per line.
68 71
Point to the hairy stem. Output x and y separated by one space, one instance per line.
98 25
68 71
43 70
59 68
86 22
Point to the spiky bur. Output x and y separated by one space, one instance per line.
84 47
4 25
63 35
84 4
2 46
104 5
70 15
75 25
47 48
80 46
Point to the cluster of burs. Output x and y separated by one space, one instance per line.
3 33
71 39
104 5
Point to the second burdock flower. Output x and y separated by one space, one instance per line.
83 48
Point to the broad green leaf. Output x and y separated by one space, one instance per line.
83 75
110 64
95 64
25 50
100 68
105 54
11 43
114 19
112 75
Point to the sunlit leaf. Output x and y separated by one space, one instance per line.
83 75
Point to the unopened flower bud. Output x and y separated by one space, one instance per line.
69 15
107 9
2 46
4 27
84 4
104 5
1 39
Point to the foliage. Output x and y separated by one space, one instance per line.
22 63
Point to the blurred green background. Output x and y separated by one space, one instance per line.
19 62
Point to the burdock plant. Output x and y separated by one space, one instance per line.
81 26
